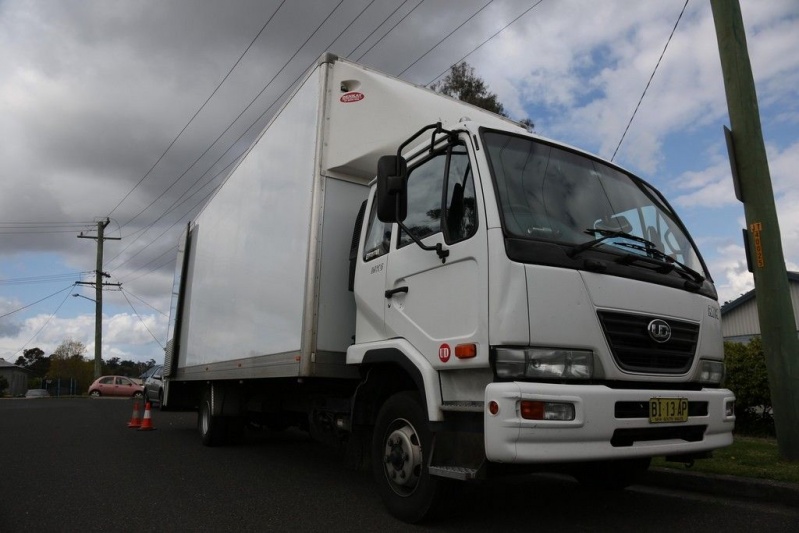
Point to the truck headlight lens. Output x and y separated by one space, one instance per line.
712 372
543 363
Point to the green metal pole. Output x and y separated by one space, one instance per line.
777 322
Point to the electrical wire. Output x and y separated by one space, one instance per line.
142 321
237 159
50 278
238 116
536 4
36 302
46 321
650 81
389 31
445 38
198 110
377 28
145 303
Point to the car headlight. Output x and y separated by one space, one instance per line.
711 372
543 363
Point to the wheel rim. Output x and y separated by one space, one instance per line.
205 419
402 457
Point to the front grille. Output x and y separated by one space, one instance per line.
635 351
627 437
641 409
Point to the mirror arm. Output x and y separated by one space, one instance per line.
438 248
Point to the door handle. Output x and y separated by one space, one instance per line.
392 292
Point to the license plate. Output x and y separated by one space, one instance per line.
663 410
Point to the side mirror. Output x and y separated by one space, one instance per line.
392 188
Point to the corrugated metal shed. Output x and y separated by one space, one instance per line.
16 376
739 319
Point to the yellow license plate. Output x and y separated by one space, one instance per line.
662 410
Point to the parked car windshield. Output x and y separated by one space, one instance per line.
552 194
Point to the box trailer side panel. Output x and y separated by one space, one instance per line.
249 252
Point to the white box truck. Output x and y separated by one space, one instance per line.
491 302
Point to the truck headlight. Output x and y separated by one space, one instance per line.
712 372
543 363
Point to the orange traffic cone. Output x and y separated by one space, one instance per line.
147 421
135 419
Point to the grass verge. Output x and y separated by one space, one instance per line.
746 457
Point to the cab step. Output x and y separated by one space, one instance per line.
453 472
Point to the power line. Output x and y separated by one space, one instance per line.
377 27
145 303
142 321
36 302
46 321
649 82
237 117
389 31
536 4
275 101
50 278
445 38
198 111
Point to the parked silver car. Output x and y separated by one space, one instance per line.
154 384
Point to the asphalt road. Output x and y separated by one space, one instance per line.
74 465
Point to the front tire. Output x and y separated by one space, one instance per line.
400 448
95 394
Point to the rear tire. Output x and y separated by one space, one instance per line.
213 429
400 447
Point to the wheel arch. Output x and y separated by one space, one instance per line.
388 371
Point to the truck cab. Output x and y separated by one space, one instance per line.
548 297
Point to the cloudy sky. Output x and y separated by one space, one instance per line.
118 109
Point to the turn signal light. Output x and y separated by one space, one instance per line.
466 351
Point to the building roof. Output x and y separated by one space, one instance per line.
793 277
6 365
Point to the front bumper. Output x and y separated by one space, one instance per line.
596 433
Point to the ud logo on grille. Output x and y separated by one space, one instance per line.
659 330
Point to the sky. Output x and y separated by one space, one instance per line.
132 111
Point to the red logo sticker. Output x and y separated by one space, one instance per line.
351 97
444 352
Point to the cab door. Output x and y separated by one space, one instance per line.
439 303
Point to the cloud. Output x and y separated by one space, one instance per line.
124 335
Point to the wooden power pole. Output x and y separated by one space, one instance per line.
753 187
98 298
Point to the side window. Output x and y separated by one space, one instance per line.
425 184
461 205
378 236
426 214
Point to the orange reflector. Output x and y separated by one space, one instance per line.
532 410
493 407
466 351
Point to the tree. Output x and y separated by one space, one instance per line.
747 377
35 361
464 84
67 362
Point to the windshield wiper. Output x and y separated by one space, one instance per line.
605 235
665 262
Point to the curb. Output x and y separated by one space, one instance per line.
764 490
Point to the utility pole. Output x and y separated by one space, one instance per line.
98 299
753 188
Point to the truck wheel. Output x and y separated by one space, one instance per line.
401 441
611 475
212 428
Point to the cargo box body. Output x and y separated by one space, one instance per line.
261 287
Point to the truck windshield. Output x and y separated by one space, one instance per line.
551 194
